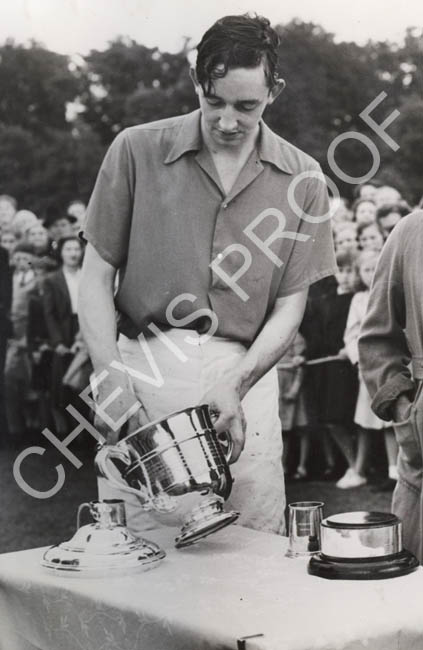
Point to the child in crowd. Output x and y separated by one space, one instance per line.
370 237
8 239
338 378
364 211
345 237
367 422
292 409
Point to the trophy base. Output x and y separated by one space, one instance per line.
99 553
371 568
204 520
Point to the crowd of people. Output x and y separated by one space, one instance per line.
323 400
42 352
324 403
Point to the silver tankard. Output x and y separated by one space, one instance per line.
171 457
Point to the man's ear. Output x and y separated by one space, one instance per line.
193 75
276 90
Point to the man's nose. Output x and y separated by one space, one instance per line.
228 119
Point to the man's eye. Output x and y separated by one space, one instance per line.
247 107
212 101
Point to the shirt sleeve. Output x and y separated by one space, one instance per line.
109 212
383 350
312 257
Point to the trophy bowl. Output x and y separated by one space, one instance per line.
172 457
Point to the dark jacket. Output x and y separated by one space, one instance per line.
57 309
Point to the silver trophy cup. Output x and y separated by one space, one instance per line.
172 457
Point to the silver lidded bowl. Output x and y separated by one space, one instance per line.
172 457
103 548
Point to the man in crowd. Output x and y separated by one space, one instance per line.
217 227
391 360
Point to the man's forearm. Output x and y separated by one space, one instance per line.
272 342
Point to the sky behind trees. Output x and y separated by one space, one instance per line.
69 26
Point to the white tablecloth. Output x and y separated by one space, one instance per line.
235 584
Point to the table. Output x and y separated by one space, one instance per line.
236 583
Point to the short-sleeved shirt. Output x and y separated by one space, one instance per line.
160 215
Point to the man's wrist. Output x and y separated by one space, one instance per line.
401 407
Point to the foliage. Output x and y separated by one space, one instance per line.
58 114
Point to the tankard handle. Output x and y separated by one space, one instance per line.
102 463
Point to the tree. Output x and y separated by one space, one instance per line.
36 86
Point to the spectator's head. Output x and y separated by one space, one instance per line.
37 236
366 190
58 224
70 250
235 78
366 265
345 276
364 211
388 215
8 239
386 194
339 210
8 206
345 237
77 210
370 237
22 220
42 266
22 257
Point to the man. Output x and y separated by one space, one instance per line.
214 253
391 360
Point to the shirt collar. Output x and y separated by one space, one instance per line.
273 150
188 138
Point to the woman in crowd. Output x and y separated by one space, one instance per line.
60 299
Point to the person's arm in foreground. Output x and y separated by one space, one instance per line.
98 326
384 354
272 342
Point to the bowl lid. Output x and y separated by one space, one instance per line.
361 519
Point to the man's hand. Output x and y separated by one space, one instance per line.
225 404
402 408
124 406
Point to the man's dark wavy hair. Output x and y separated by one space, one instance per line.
237 42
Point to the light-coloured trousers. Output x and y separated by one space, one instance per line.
258 491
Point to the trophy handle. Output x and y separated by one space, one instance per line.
226 444
102 465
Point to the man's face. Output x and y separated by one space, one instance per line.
231 111
60 228
22 261
371 239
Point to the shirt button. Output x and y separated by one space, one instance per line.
224 206
219 256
